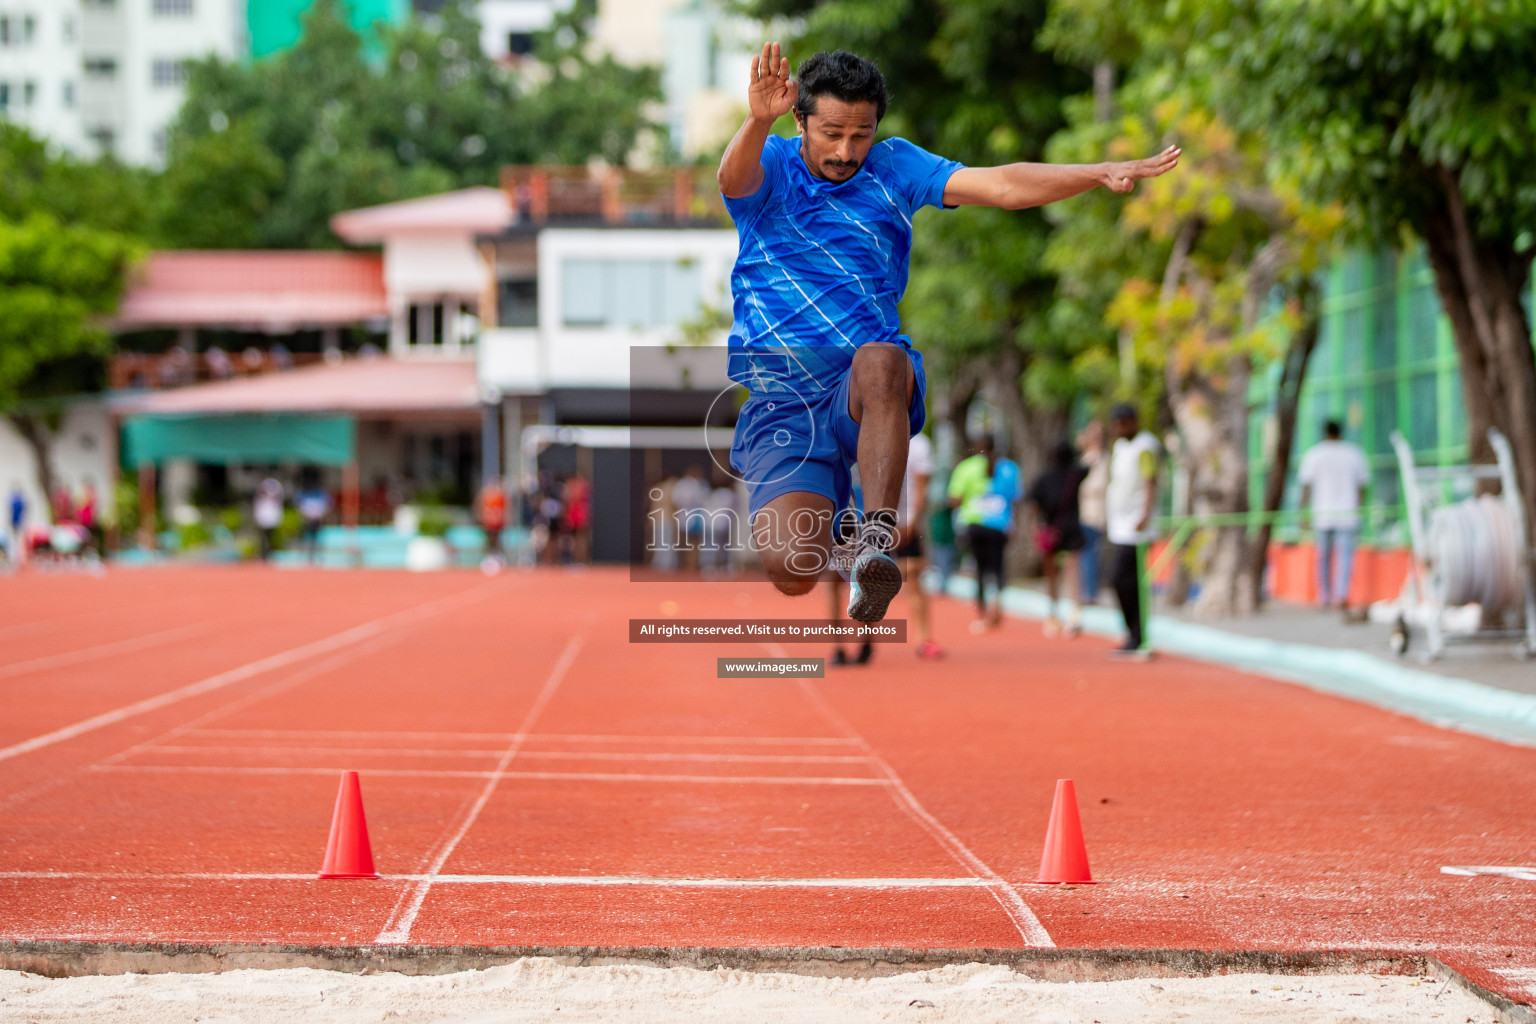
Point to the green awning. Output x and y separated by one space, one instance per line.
321 440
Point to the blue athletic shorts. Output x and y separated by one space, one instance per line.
787 441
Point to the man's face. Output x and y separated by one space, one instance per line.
1124 428
836 139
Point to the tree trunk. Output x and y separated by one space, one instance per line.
39 438
1480 284
1032 432
1292 374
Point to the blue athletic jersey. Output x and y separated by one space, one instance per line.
821 266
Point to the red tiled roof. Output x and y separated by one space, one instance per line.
254 289
381 385
477 210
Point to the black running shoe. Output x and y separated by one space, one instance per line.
874 581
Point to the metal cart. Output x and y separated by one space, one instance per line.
1475 556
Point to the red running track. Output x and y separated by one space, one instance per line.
171 739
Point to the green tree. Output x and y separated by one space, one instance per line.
434 114
57 282
1187 269
102 194
1416 115
216 192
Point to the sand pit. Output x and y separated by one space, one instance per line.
545 990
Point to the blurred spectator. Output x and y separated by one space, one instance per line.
1333 478
63 505
177 367
282 359
376 506
267 510
16 518
314 504
1090 509
912 511
253 359
548 518
721 516
1129 500
88 518
368 351
492 507
689 496
985 488
940 542
220 366
1058 533
577 534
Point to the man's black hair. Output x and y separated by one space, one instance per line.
1124 412
843 75
1333 430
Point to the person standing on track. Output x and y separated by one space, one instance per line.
984 489
825 226
1334 475
1129 500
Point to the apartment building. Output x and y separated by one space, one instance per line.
40 68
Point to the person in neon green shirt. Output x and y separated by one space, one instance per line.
985 488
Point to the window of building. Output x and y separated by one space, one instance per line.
5 96
520 43
169 73
158 143
629 293
5 30
28 28
105 139
100 67
68 29
28 94
173 8
69 95
517 303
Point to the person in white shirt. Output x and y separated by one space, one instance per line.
1129 500
690 495
912 514
267 510
1333 477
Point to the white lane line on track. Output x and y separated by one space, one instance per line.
345 638
84 654
397 929
493 774
968 882
1024 919
1526 873
527 755
536 737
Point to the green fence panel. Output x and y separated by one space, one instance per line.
224 440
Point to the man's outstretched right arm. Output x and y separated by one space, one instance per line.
770 95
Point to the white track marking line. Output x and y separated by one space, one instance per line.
537 737
495 775
398 927
1524 873
282 685
83 654
527 755
1024 919
345 638
969 882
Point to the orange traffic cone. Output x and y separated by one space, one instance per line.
348 854
1065 858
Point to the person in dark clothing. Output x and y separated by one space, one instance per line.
1058 531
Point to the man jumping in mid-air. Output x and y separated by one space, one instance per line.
825 222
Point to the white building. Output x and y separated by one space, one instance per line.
507 27
40 68
99 76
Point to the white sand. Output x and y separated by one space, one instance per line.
545 990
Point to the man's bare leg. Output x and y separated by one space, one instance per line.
879 399
793 537
880 388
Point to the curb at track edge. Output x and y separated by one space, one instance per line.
1443 701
